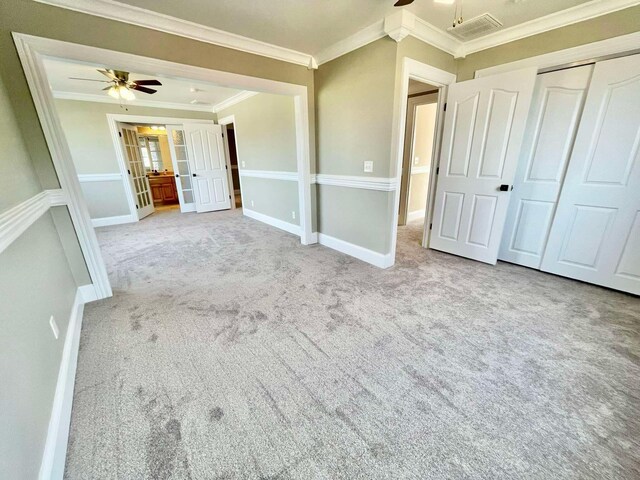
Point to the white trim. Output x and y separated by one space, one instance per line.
17 219
165 23
374 258
31 51
359 39
589 51
350 181
117 220
55 449
416 214
229 102
99 177
274 222
432 35
412 69
276 175
138 102
420 170
569 16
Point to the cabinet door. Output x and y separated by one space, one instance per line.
168 193
156 192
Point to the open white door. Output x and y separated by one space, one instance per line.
208 166
137 173
595 234
181 168
553 122
483 130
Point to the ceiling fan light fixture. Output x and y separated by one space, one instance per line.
126 94
113 92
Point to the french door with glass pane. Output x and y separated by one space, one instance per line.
136 170
180 160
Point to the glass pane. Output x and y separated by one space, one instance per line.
178 137
188 196
183 168
140 200
186 183
181 153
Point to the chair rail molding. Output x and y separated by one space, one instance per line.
17 219
353 181
99 177
276 175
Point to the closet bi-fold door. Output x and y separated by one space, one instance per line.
554 117
595 236
484 125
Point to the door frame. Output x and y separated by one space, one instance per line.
422 72
32 49
113 119
229 119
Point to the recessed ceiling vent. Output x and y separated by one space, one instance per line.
475 27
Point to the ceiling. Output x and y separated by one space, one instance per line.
311 26
173 90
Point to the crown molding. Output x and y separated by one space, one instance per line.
141 17
438 38
569 16
364 37
91 97
237 98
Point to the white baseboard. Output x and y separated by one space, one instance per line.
374 258
415 215
106 221
55 449
274 222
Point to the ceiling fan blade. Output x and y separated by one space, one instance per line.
108 88
109 74
143 89
402 3
147 82
89 79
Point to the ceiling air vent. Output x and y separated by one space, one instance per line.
475 27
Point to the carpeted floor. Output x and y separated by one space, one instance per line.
231 351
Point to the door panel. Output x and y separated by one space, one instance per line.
181 168
594 236
482 136
137 173
208 166
555 113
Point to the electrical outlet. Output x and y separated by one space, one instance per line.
54 327
243 164
252 203
416 160
293 214
368 166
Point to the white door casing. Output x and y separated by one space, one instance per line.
136 171
553 121
181 168
595 236
208 167
483 131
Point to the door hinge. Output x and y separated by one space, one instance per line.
227 167
129 171
437 170
120 134
431 226
137 207
445 107
229 197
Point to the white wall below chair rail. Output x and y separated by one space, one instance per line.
15 221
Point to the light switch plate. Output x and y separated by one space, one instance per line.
243 165
368 166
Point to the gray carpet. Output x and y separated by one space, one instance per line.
231 351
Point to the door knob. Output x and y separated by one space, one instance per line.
195 175
505 188
177 175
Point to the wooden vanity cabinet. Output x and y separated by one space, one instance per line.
163 189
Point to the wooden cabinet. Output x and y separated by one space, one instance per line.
163 189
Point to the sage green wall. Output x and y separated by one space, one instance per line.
87 131
35 283
265 133
600 28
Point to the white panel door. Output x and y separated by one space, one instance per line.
554 117
137 172
181 168
595 234
483 130
208 166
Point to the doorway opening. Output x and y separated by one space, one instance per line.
232 148
419 158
